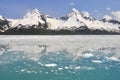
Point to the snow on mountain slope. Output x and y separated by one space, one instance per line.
54 23
73 20
31 18
1 17
107 18
67 23
14 22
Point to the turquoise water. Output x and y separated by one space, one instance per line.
101 63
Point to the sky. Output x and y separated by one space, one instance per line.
58 8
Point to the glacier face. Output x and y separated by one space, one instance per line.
74 20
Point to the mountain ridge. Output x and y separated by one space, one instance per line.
74 22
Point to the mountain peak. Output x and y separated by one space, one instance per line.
33 17
74 13
32 14
36 11
75 10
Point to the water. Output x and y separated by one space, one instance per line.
80 57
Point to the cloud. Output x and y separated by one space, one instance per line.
108 8
96 11
116 15
72 4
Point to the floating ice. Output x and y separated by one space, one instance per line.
51 65
78 67
96 61
87 55
112 58
60 69
36 46
22 70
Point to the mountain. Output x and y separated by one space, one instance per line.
32 19
75 22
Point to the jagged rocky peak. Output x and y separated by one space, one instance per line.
4 24
80 16
74 12
87 16
33 13
36 11
33 17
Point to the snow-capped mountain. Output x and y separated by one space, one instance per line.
77 19
73 21
32 18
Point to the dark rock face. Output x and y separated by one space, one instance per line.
114 21
41 29
4 24
78 31
111 21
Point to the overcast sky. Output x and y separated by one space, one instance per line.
58 8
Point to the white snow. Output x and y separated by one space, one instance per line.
14 22
31 18
75 20
1 17
54 23
107 17
72 22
